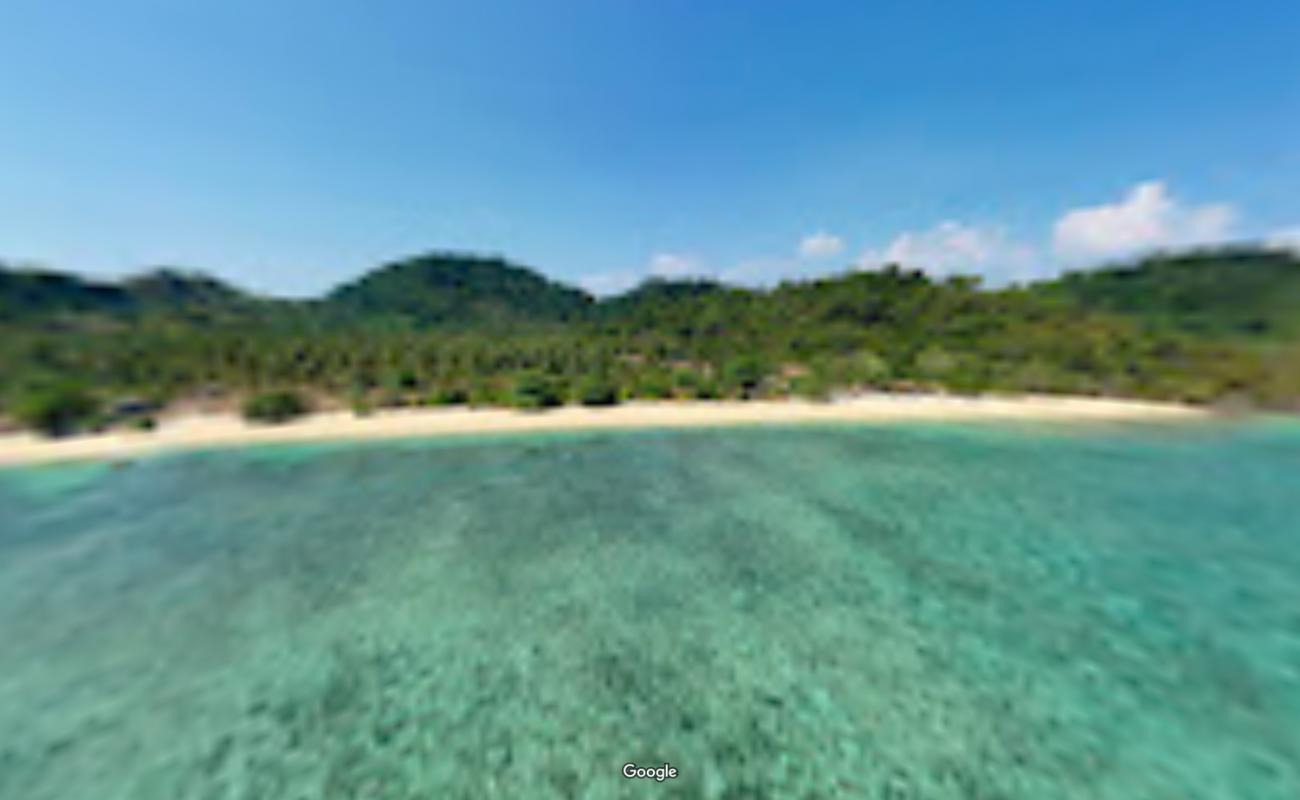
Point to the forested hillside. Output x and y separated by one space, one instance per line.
43 299
1239 292
450 291
448 329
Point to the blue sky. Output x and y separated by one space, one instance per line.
289 145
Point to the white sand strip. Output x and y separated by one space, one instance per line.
228 430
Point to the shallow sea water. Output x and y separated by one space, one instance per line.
880 612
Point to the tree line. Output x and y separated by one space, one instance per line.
447 329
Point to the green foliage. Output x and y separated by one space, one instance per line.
536 391
486 391
597 390
453 329
868 368
812 386
656 297
935 362
1228 292
145 423
185 296
56 408
743 374
653 384
275 406
361 404
695 384
453 290
391 398
449 396
706 390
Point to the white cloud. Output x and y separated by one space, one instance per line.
760 271
1286 239
953 247
603 284
1148 218
820 245
673 265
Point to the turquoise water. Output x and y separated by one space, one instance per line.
892 612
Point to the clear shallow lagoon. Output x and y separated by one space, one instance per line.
889 612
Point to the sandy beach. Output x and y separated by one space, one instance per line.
205 431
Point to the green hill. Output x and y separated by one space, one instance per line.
41 296
1226 293
169 289
29 294
447 328
1232 292
448 290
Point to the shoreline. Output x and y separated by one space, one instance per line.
211 431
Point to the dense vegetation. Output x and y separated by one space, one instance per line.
1241 292
446 290
276 406
445 329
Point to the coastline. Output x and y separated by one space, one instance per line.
210 431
